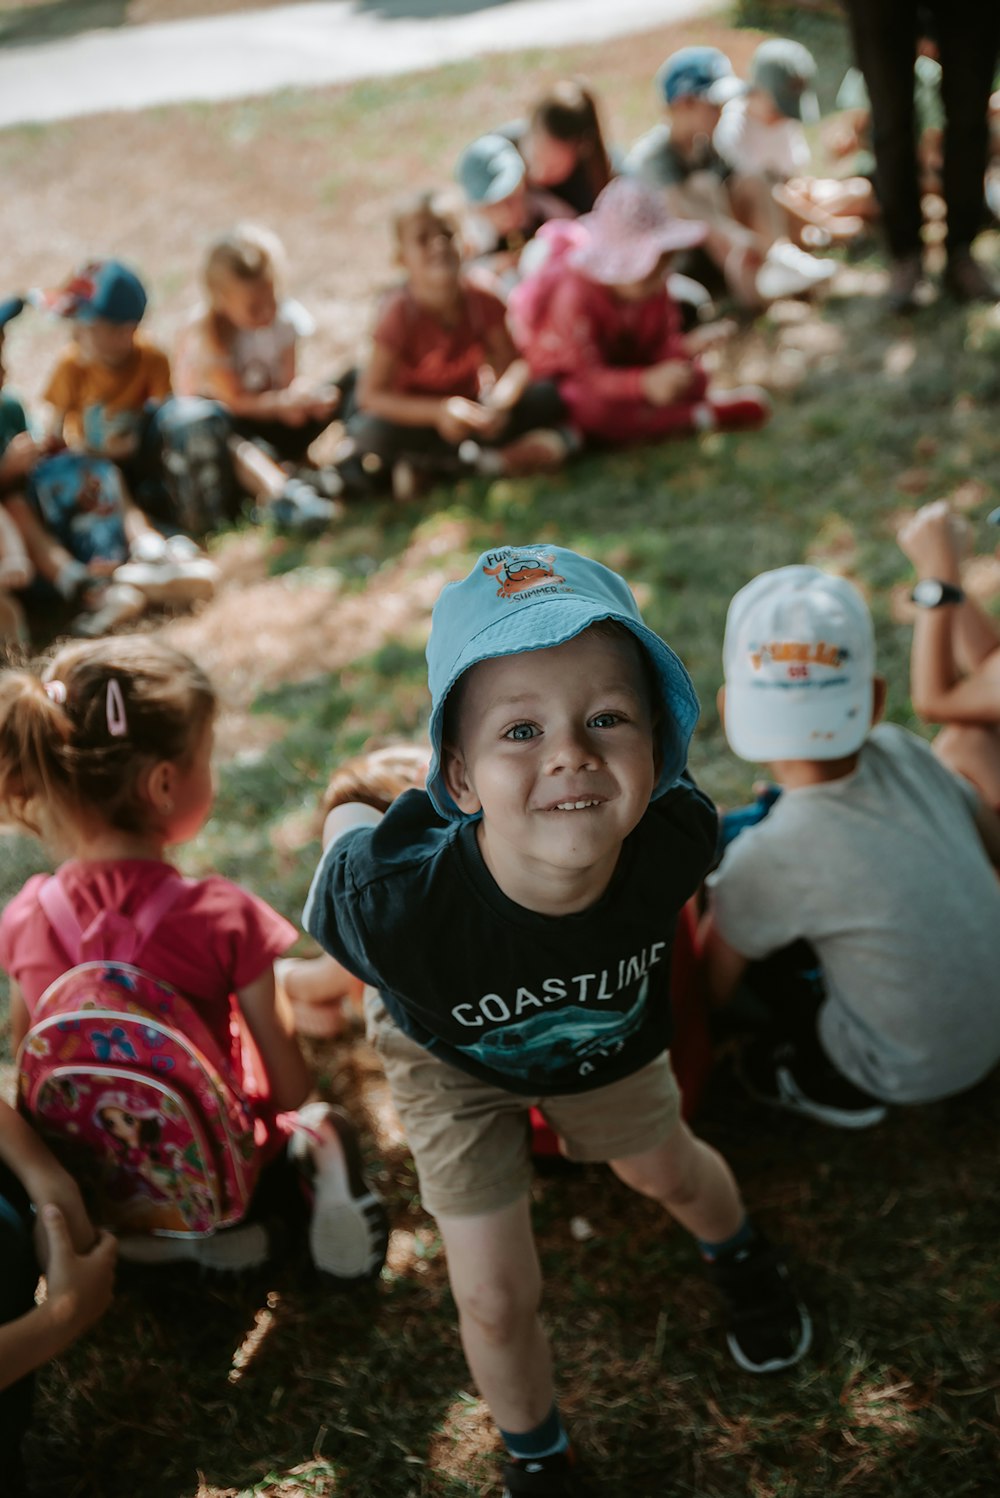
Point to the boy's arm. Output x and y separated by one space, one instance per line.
721 966
29 1158
453 416
80 1287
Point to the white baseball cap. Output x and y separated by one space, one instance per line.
799 660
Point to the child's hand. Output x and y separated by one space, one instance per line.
80 1286
293 406
459 418
58 1189
324 402
929 541
20 456
662 384
119 445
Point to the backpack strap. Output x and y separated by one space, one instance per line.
59 913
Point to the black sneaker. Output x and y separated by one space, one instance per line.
543 1477
770 1075
769 1329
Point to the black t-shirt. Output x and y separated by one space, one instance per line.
537 1004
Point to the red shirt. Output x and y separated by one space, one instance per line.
214 940
580 329
434 357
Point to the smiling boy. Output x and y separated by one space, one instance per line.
517 920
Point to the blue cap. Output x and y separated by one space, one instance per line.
522 598
104 288
490 169
9 309
700 73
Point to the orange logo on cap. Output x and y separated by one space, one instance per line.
521 571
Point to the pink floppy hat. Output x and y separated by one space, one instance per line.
627 231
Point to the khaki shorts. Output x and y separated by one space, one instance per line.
471 1141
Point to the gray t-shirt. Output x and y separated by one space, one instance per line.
885 874
655 161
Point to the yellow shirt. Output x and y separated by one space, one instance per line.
99 401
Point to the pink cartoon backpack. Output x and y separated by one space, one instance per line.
128 1086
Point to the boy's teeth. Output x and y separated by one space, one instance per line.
573 805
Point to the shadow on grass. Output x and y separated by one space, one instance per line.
31 24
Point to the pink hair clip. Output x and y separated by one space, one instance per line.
55 691
117 721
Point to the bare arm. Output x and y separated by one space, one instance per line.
272 1029
939 691
20 1019
80 1287
377 396
721 966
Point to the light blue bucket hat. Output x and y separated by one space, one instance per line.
522 598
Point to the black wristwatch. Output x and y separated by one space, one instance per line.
932 593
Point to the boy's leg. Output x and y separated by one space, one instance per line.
787 1065
768 1328
497 1283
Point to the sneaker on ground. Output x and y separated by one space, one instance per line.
327 481
968 281
741 409
789 271
231 1250
907 288
768 1074
298 507
349 1228
768 1327
543 1477
116 604
174 579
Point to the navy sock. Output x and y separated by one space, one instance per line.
545 1440
744 1234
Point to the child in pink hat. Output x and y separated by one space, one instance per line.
597 318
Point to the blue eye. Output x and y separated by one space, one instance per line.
520 732
605 720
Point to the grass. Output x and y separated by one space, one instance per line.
280 1387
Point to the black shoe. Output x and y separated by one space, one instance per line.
769 1329
543 1477
770 1076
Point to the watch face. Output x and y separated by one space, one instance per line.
931 593
928 593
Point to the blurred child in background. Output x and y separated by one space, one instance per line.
425 409
240 349
597 319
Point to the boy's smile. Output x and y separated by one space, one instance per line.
556 748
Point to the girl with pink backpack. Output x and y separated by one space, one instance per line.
154 1055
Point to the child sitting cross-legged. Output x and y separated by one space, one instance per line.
240 349
424 408
863 911
105 753
598 320
557 839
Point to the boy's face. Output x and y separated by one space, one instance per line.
556 748
427 250
694 116
508 215
105 342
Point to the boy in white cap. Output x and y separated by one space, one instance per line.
874 854
517 919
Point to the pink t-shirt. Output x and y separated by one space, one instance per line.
434 357
215 939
